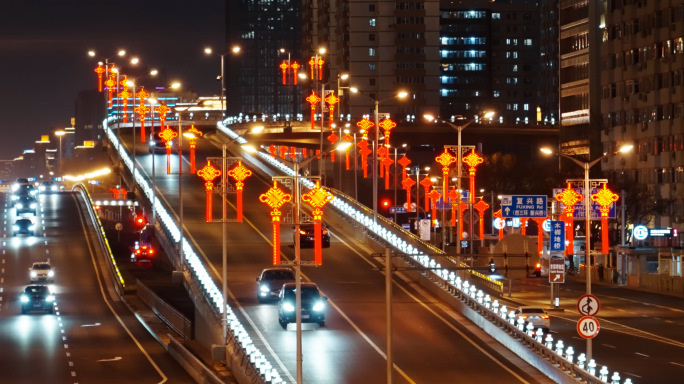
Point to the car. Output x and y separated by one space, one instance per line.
313 304
37 298
535 315
156 144
271 280
23 190
22 181
48 186
23 226
26 204
41 271
306 235
142 252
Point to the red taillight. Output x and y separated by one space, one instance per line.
538 266
544 316
151 251
302 232
137 251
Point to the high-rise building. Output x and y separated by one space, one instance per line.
252 75
643 99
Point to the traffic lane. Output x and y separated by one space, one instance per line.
643 358
105 342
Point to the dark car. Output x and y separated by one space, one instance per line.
26 204
271 281
313 304
23 190
156 144
306 235
48 186
23 226
37 298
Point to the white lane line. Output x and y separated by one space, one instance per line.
677 364
71 363
632 374
641 354
609 346
105 297
66 346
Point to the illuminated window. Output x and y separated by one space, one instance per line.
371 51
371 67
371 22
528 41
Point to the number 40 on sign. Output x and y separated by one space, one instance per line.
588 327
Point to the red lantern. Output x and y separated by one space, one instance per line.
332 138
407 183
313 99
209 173
141 110
569 197
275 198
331 100
347 137
364 151
605 197
387 126
426 183
295 66
162 110
193 142
434 195
404 162
540 233
445 159
473 160
167 135
283 67
317 197
99 70
481 207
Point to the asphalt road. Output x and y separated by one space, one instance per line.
92 337
431 343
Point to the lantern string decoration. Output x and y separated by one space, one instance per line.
604 197
142 110
365 125
426 183
445 159
239 173
283 67
481 206
167 135
364 152
317 197
275 198
123 96
382 153
331 100
407 183
162 110
99 70
313 99
295 67
332 138
455 198
320 63
404 162
209 173
110 83
387 163
473 160
193 143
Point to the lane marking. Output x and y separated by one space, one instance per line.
106 299
641 354
677 364
105 360
609 346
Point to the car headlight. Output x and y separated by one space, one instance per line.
15 197
288 307
50 298
34 273
15 227
20 206
319 306
30 227
33 205
24 299
264 288
51 273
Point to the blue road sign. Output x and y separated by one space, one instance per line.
557 235
530 206
399 209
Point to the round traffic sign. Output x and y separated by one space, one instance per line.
588 327
588 305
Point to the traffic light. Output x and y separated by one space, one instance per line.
140 220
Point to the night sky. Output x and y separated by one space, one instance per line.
44 61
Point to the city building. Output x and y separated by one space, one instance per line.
643 99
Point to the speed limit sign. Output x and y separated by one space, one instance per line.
588 327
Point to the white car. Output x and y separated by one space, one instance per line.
41 271
535 315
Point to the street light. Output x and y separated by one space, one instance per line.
459 225
234 50
399 95
342 76
587 212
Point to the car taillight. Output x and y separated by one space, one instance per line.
538 266
544 316
150 251
302 232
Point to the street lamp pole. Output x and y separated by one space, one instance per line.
59 134
375 164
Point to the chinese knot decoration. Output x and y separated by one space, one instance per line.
455 198
404 162
124 95
331 100
604 197
162 110
99 70
209 173
193 143
481 207
316 65
387 126
365 125
283 67
167 135
445 159
434 195
364 151
239 173
407 183
473 160
317 197
313 99
332 138
110 83
540 233
382 153
349 138
426 183
275 198
142 110
569 197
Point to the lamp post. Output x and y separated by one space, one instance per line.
233 50
377 102
59 134
152 102
179 111
342 76
587 214
297 262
